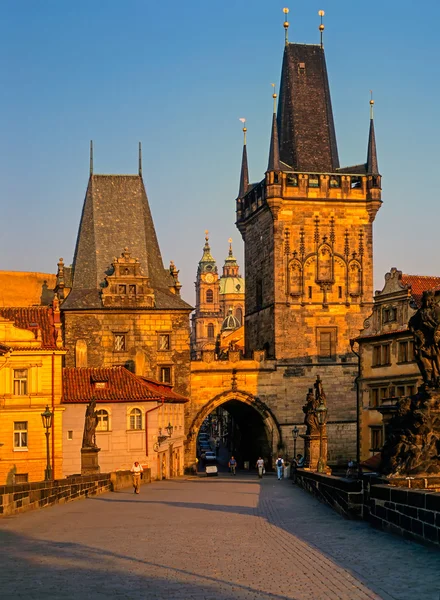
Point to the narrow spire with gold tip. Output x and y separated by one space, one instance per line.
274 151
372 163
244 175
91 157
286 26
140 159
321 13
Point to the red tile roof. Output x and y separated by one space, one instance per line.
34 318
82 384
420 284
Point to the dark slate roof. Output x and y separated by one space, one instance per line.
354 170
116 214
34 318
79 386
244 175
372 164
305 118
274 149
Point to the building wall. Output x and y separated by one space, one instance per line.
141 330
28 408
120 446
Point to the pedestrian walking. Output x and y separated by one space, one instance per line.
136 471
232 464
260 467
280 464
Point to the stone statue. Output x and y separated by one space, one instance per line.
91 421
425 327
412 445
309 409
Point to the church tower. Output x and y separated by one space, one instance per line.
307 225
207 318
232 288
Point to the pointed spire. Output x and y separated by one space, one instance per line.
207 256
244 175
286 26
91 157
140 159
321 27
372 164
274 152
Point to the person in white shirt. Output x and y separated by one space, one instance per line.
260 467
279 464
136 470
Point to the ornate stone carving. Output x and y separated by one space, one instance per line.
91 421
126 285
425 326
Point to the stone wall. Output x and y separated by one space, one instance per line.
15 499
413 514
343 495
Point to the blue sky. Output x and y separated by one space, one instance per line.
177 76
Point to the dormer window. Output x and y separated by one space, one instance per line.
100 385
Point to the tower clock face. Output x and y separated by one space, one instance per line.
209 278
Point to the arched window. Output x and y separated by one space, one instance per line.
239 315
135 418
210 331
103 420
209 296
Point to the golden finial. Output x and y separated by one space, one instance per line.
321 13
286 25
371 104
206 235
243 120
274 96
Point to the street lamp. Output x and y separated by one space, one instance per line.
46 417
321 414
169 429
295 432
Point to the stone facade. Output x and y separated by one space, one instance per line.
386 353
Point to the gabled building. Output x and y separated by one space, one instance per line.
120 306
138 420
386 352
31 355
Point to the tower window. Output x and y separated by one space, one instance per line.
210 331
164 341
340 291
165 374
120 345
326 342
122 289
209 296
239 315
310 292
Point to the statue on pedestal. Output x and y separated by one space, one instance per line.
90 423
412 432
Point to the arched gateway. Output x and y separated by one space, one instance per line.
257 429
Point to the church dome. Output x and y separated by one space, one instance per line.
231 285
230 323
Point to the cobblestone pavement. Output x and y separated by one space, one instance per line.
208 539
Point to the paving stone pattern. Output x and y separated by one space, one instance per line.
208 539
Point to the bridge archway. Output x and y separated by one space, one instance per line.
257 430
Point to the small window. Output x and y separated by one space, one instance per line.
103 421
381 355
406 351
70 434
132 289
21 478
376 439
165 374
335 181
164 341
239 315
313 181
400 390
120 345
209 296
292 181
310 292
340 291
20 435
356 182
374 397
326 341
20 382
135 419
410 390
210 330
122 289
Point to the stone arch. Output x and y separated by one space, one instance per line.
271 426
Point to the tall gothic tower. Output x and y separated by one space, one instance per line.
307 226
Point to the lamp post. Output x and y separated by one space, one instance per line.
169 428
295 432
46 417
321 414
